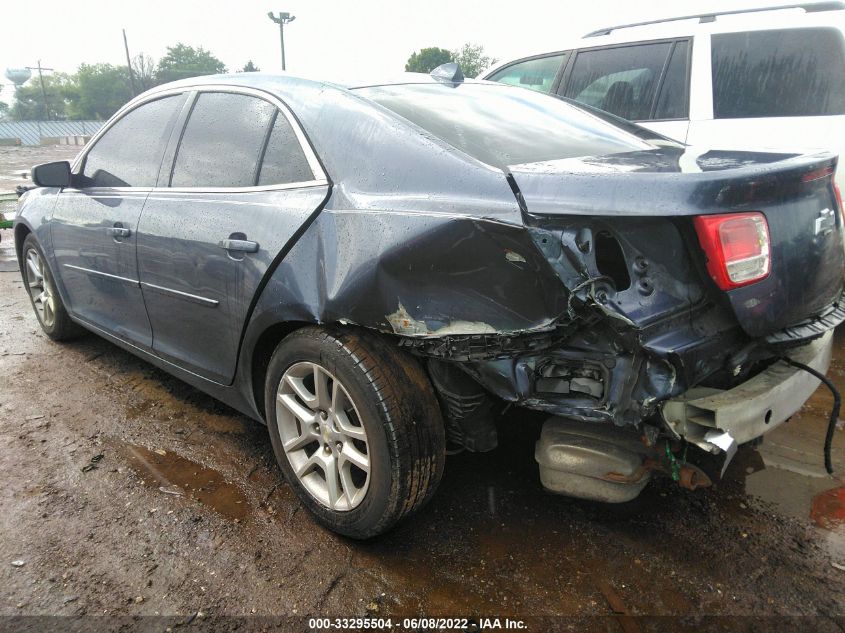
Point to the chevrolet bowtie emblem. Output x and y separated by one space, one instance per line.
826 222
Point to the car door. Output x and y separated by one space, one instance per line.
644 82
94 223
242 182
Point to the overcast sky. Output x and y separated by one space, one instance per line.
329 37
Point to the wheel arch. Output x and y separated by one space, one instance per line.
21 231
260 353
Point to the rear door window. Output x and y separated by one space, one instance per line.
223 141
787 72
622 80
537 74
673 102
129 153
284 161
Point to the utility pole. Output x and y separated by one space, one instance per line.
284 18
39 68
129 64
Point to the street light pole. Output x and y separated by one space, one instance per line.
284 18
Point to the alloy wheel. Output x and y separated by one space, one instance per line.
40 287
322 436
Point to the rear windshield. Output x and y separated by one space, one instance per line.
788 72
501 125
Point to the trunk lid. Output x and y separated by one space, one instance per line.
804 221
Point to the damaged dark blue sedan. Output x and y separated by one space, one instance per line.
375 271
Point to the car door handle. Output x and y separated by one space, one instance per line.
118 231
242 246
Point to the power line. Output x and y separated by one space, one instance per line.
39 68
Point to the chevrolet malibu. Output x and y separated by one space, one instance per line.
376 271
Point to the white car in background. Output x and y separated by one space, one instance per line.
767 78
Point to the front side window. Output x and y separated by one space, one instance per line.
622 80
788 72
129 153
536 74
223 141
501 126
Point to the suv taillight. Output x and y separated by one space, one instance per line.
737 247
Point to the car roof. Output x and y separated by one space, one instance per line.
269 81
820 14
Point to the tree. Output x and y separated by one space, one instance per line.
472 59
249 67
182 61
100 90
29 103
4 110
144 67
427 60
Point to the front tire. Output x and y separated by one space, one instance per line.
45 299
355 427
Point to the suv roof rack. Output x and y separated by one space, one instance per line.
812 7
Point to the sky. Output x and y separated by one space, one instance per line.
329 38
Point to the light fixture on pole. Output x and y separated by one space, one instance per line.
281 20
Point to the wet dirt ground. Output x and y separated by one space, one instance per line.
16 161
125 492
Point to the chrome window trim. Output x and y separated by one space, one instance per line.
291 185
320 177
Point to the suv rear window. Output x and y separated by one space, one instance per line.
789 72
501 125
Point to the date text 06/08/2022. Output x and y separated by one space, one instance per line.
458 624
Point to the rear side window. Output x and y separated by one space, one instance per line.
536 74
284 161
222 143
129 153
621 80
790 72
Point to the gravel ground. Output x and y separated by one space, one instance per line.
15 162
126 493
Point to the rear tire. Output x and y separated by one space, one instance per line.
45 299
355 427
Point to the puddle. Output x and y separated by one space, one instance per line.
172 474
828 509
787 470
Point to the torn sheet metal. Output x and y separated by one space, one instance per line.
724 442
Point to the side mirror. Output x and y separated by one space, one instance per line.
51 174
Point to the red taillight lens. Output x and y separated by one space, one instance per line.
839 202
737 247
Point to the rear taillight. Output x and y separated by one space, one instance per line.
839 202
737 247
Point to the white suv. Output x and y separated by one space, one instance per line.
767 78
